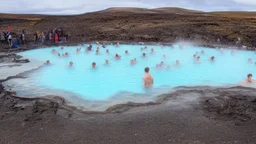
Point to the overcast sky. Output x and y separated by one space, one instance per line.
83 6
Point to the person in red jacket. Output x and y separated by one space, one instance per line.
56 38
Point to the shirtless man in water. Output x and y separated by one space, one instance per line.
248 80
147 79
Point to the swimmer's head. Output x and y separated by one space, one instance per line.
126 52
47 62
70 63
94 65
212 58
97 51
62 48
177 62
194 56
107 51
152 50
202 51
106 62
249 77
144 54
134 59
146 70
198 58
162 62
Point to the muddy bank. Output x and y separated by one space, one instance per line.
232 106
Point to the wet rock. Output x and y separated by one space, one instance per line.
231 105
21 61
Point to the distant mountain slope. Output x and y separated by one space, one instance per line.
176 10
128 9
156 10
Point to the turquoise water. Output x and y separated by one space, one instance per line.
120 76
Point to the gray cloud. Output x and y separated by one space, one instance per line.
82 6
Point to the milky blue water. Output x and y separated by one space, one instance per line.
120 76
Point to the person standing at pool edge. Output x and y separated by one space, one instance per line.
148 79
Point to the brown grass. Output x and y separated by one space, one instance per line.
236 14
33 19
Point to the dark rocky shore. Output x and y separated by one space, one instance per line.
188 115
216 115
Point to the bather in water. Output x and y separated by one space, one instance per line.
70 64
250 60
117 57
143 55
133 61
106 62
147 79
94 65
97 51
152 51
47 62
248 80
177 63
54 51
212 58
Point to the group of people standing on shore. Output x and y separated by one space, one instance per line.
7 37
56 35
14 40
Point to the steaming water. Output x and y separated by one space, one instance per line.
120 79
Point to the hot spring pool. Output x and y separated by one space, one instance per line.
120 77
